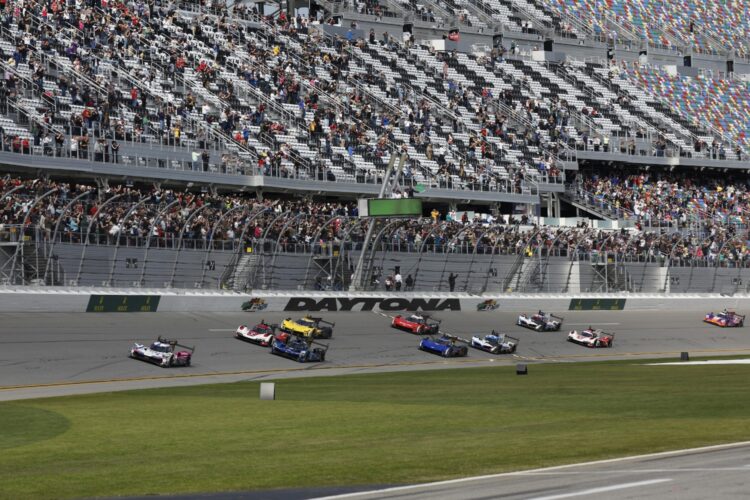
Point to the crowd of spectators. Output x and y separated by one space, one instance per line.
122 215
678 198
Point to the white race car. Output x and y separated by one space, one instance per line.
163 353
591 337
496 343
261 334
540 321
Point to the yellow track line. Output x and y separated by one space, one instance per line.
383 365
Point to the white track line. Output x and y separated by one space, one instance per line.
604 489
545 469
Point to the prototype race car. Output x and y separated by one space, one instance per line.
261 334
591 338
446 345
308 327
488 305
421 325
163 353
298 348
725 319
540 321
496 343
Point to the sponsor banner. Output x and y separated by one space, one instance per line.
389 304
123 303
597 304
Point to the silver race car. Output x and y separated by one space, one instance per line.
163 352
540 322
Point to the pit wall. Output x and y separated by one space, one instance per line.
101 301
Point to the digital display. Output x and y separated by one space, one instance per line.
404 207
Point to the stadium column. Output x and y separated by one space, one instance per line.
384 190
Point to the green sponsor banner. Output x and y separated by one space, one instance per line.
123 303
597 304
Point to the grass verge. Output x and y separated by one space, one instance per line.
365 429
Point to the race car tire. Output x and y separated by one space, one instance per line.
538 328
597 344
301 358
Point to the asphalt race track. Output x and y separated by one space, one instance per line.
697 474
54 354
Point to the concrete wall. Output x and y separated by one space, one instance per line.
64 300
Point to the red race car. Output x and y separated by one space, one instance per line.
261 334
421 325
725 319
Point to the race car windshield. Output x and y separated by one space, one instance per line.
262 329
416 319
159 347
306 322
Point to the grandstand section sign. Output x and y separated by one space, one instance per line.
368 304
597 304
123 303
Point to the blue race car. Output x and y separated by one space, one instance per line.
298 348
447 346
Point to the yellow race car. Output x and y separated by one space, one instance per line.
308 327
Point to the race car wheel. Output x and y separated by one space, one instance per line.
597 344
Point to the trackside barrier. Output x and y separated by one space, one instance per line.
107 300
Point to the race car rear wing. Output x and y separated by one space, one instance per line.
310 341
321 321
508 337
456 338
174 344
554 316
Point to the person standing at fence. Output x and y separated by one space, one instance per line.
452 281
398 280
409 283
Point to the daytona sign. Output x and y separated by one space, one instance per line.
368 304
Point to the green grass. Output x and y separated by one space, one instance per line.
365 429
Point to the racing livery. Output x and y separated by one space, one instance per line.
261 334
591 337
308 327
495 343
419 324
725 319
255 304
445 345
488 305
298 348
163 353
541 322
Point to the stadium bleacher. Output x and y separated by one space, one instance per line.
191 88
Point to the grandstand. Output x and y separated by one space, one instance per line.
564 146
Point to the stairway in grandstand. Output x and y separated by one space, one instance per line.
240 272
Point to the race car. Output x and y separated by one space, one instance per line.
298 348
725 319
163 353
308 327
488 305
591 338
421 325
261 334
448 346
496 343
540 321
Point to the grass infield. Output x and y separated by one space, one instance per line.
363 429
